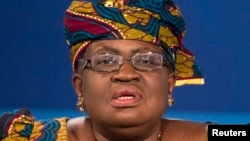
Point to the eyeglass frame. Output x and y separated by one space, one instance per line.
84 62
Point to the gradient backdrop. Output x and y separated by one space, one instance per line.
36 71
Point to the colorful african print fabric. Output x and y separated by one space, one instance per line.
20 125
159 22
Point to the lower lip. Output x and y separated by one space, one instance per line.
126 103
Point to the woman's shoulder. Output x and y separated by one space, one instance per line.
184 123
21 125
79 128
173 129
178 129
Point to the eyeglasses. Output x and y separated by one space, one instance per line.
107 62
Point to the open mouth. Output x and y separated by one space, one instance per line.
126 97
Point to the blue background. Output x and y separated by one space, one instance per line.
36 71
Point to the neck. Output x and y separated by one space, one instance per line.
138 133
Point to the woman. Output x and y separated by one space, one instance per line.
127 57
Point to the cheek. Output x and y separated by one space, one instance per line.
92 90
158 82
95 90
157 87
92 83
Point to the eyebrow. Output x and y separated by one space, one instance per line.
116 51
109 49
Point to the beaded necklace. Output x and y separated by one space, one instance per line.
159 137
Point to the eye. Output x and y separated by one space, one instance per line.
102 60
145 60
105 60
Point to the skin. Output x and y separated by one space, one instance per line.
139 121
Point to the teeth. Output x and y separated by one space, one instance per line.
125 97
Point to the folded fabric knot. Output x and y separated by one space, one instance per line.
158 22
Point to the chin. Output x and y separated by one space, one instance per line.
128 122
128 119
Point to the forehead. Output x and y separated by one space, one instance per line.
121 47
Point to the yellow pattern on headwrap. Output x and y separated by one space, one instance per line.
159 22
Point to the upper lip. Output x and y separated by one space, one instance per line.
127 91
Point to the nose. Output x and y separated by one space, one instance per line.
126 73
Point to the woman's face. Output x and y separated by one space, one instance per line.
126 97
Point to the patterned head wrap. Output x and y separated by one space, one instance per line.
158 21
